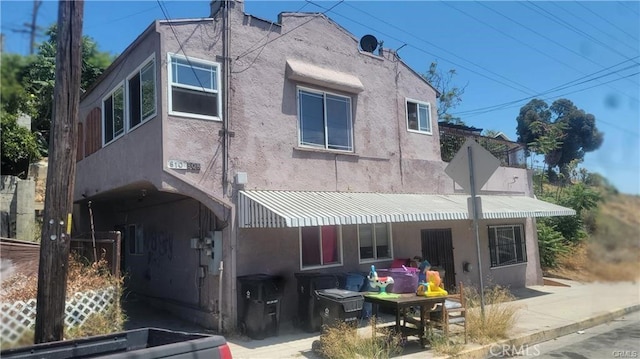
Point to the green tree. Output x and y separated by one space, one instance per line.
450 95
40 76
14 99
578 131
19 146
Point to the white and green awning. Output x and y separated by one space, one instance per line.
272 209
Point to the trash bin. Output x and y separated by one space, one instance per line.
259 299
338 305
308 282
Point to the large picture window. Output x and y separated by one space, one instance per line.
320 246
113 114
375 242
194 87
142 94
418 116
507 245
325 120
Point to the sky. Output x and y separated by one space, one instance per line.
504 52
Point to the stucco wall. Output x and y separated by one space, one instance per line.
136 156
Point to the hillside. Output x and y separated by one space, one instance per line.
612 251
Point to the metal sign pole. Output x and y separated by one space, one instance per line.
474 206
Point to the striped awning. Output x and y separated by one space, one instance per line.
266 209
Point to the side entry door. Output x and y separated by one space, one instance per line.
437 248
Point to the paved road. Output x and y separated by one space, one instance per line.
619 339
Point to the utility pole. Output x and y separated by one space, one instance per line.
56 227
33 26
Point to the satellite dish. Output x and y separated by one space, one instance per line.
368 43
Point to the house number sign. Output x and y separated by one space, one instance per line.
183 165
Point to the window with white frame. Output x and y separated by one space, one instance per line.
507 245
375 241
418 116
142 94
194 87
320 246
113 114
324 120
134 239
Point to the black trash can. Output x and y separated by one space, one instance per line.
259 297
338 305
308 282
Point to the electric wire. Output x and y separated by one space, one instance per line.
596 28
180 45
622 3
438 47
290 31
544 37
635 39
263 46
571 27
425 51
564 86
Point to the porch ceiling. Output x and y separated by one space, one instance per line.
264 209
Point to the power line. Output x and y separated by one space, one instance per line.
290 31
425 51
557 88
624 129
562 23
548 39
607 21
597 28
439 48
629 8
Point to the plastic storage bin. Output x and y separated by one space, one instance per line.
259 297
405 280
352 281
339 305
308 282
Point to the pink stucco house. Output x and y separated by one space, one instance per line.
280 147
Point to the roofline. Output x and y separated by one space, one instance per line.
152 27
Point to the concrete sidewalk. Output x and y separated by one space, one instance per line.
545 312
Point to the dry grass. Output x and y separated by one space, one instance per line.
445 346
499 314
344 342
612 251
82 276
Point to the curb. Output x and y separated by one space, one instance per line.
549 334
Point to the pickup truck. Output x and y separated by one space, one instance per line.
147 343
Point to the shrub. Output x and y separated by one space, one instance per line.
550 244
499 314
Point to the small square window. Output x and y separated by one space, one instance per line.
506 245
320 246
194 88
375 242
418 116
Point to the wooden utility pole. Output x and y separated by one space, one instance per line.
56 228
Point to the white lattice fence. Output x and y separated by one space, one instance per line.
20 317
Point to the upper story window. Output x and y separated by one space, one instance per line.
418 116
375 242
324 120
320 246
194 87
507 245
113 114
142 94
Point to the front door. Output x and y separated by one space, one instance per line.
437 248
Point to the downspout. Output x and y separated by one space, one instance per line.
225 94
229 247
